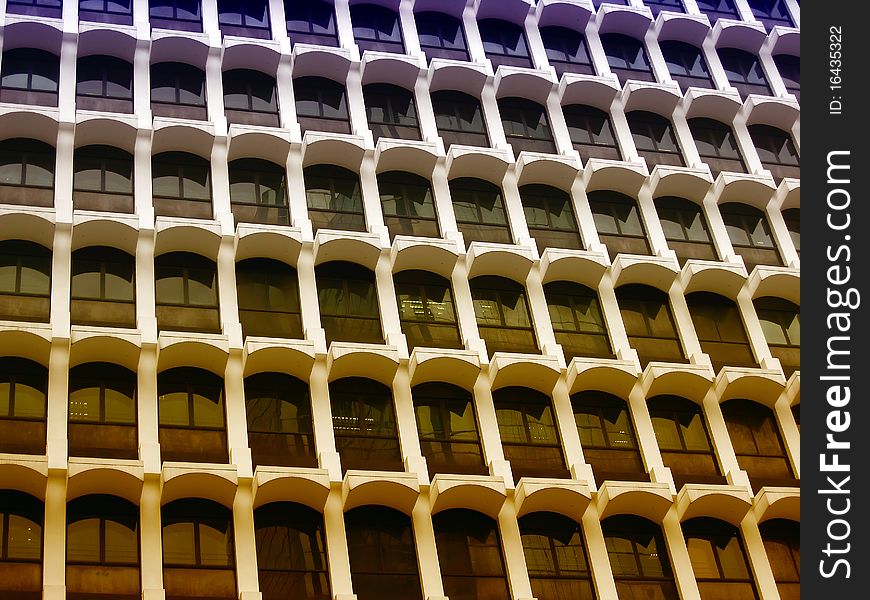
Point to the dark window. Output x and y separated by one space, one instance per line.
503 317
311 22
103 179
181 184
654 139
744 72
187 298
441 36
348 298
21 517
102 548
426 310
25 281
391 112
198 555
566 50
792 218
480 211
364 424
776 151
268 293
716 145
796 414
459 118
577 320
470 556
376 28
718 9
758 444
380 544
246 18
448 429
321 105
617 220
529 433
26 172
278 409
682 437
23 401
407 204
556 557
781 324
291 552
750 235
178 90
192 423
720 330
184 15
250 98
103 287
646 313
782 539
29 76
550 216
789 67
526 126
719 559
770 12
685 229
657 6
102 411
39 8
686 64
504 43
104 83
258 192
626 57
638 558
334 198
591 132
119 12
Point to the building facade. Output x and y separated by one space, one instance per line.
466 299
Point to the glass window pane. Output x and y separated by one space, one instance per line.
733 560
35 277
120 406
84 404
83 541
703 558
207 411
215 546
24 539
201 287
179 545
667 434
122 544
173 409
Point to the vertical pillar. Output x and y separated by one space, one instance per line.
151 539
336 547
54 537
681 563
758 561
427 551
514 557
245 543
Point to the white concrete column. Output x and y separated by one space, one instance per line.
63 174
151 539
147 413
596 550
371 198
747 147
245 543
569 435
142 183
344 27
646 436
540 312
651 224
296 198
406 424
389 305
324 440
472 34
558 125
514 557
286 95
492 119
214 83
754 333
427 551
356 106
622 133
490 440
142 80
585 218
220 183
444 203
513 205
336 547
464 305
308 301
425 111
237 422
718 232
54 537
57 404
61 267
210 24
794 9
409 29
762 573
714 64
685 139
771 73
596 49
656 59
537 51
722 441
278 22
613 318
781 235
227 296
681 563
685 326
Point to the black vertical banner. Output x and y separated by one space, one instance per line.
835 264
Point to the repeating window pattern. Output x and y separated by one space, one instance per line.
716 145
504 43
441 36
311 22
29 76
426 310
103 179
102 411
776 150
591 132
556 557
503 317
685 229
407 204
334 198
268 294
280 429
654 139
258 192
744 72
119 12
781 539
181 184
23 404
184 15
321 105
376 28
577 320
364 424
178 90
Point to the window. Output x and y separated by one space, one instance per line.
781 324
268 293
321 105
591 132
626 57
250 98
29 76
102 411
280 429
781 539
716 145
441 36
654 139
311 22
657 6
23 401
796 414
190 404
102 548
504 43
25 281
103 289
103 179
776 151
183 15
646 313
407 204
178 90
380 543
685 229
391 112
104 83
376 28
26 172
258 192
364 424
448 429
792 218
683 440
566 50
720 330
39 8
119 12
529 433
21 517
198 555
426 310
334 198
550 216
503 318
719 559
772 13
744 72
470 555
638 558
718 9
686 64
291 552
349 310
750 235
758 444
555 557
617 220
577 320
187 298
181 185
480 211
526 126
459 118
245 18
789 67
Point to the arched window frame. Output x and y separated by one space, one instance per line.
23 422
114 78
459 118
347 280
427 312
376 28
245 18
618 221
119 12
188 314
685 227
182 79
550 217
591 132
25 288
566 50
686 64
364 425
577 319
750 235
504 43
638 557
480 211
744 72
719 559
250 98
329 101
311 22
39 8
40 71
758 443
627 57
103 411
441 36
280 426
334 198
191 176
182 15
391 112
654 139
776 150
504 320
113 300
717 145
526 125
556 557
268 298
720 329
408 204
258 192
650 324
